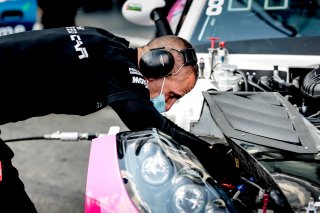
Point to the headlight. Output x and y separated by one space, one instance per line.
162 176
155 169
216 206
188 198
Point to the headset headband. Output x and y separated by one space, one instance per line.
189 56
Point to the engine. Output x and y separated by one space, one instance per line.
300 86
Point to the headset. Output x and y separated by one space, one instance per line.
158 62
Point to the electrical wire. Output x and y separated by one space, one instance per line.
212 71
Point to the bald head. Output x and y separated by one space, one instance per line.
174 49
170 65
170 41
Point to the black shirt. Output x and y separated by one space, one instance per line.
77 70
72 70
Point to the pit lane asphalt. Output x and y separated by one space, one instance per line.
54 172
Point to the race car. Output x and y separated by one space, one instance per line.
259 84
17 16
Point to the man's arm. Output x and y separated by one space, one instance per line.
138 114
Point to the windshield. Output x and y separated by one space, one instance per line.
243 20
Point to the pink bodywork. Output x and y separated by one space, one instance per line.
105 191
175 12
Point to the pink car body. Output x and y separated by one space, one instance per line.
105 191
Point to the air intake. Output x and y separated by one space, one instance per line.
311 84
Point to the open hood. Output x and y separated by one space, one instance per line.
262 118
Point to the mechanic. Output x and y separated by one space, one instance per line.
80 70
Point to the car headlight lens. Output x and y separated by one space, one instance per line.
162 176
216 206
155 169
188 198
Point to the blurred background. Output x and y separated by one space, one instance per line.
97 13
25 15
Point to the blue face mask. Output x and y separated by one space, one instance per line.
159 102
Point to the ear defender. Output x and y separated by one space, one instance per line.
156 63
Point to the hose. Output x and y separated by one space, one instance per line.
24 139
63 136
256 86
244 79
